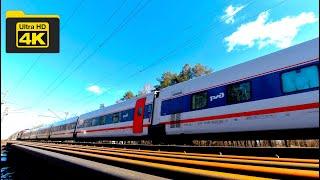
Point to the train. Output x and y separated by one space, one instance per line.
273 96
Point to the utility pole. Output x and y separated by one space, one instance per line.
5 113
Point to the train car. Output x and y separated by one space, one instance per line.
19 136
25 134
63 129
126 119
43 132
33 133
279 91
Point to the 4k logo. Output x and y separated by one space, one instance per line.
32 33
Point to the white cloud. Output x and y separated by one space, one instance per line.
279 33
230 12
95 89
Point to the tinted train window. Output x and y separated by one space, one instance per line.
300 79
139 111
109 119
115 117
199 100
239 92
88 123
102 120
95 122
73 125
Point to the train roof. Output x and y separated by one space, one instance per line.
130 103
67 121
302 52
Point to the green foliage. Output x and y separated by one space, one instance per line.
127 95
187 73
168 78
199 70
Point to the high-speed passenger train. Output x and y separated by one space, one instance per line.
276 95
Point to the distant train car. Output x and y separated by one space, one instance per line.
33 133
63 129
43 132
279 91
20 134
126 119
25 134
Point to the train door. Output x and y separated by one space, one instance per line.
138 116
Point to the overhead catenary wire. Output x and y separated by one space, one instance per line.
125 65
81 50
35 62
175 50
137 9
167 55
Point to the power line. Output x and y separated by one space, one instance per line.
185 44
128 18
37 59
125 65
82 49
171 52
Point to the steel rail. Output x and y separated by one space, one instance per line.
229 166
316 161
239 161
171 168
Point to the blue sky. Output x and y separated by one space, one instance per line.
219 34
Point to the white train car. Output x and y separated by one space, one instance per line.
33 133
63 129
126 119
43 132
279 91
25 134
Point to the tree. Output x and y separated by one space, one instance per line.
199 70
185 74
167 79
127 95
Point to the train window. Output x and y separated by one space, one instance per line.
102 120
109 119
199 100
300 79
115 117
73 125
95 122
81 123
88 123
239 92
147 111
139 111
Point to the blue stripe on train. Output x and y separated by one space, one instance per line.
262 87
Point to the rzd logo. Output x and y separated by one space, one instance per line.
32 35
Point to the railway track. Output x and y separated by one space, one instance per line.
178 164
283 152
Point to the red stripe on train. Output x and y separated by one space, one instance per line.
109 129
250 113
224 116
